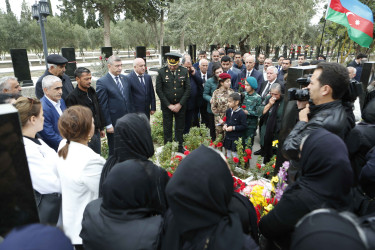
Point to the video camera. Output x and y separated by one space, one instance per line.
299 94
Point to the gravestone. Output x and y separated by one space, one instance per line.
71 66
18 206
106 51
21 67
164 50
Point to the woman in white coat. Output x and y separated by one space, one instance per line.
42 161
79 168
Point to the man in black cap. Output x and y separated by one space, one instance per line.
56 67
173 89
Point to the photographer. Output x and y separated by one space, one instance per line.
328 84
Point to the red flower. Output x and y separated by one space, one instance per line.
235 159
224 119
245 159
272 201
100 57
179 157
248 151
273 165
268 173
242 79
169 174
186 147
186 152
219 145
211 144
249 156
243 106
257 208
259 166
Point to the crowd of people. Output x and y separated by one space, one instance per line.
128 202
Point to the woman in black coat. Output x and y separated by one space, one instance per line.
324 181
200 217
133 141
125 217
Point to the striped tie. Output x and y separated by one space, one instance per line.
119 85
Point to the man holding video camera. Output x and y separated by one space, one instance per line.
329 83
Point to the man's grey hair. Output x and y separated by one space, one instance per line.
275 71
250 57
113 59
350 68
49 80
202 60
185 58
5 82
276 86
51 65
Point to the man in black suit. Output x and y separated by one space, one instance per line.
271 79
114 97
251 71
141 89
56 67
235 77
204 73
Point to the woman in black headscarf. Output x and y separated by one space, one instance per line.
325 181
125 217
133 141
199 194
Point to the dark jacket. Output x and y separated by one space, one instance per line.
331 116
121 229
238 120
196 93
143 97
114 105
257 75
67 86
88 99
367 175
173 89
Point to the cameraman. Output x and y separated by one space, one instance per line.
328 84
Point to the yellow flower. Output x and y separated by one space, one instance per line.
275 179
274 143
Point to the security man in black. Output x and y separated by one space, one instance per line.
173 89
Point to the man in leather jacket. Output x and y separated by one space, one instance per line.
328 84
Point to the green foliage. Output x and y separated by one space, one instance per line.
105 150
101 68
197 136
157 128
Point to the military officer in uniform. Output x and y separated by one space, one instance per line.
173 89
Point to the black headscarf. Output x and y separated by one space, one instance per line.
132 140
127 186
199 194
325 168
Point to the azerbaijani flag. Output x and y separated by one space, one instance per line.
356 17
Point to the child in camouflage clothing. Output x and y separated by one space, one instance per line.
253 108
219 102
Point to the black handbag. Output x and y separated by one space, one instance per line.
49 206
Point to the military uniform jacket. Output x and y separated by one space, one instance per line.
254 107
220 101
173 89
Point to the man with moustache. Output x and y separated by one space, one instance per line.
85 95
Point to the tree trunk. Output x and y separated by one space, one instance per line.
154 29
161 38
242 45
107 27
182 42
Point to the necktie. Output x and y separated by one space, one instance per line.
265 92
248 73
142 82
204 78
119 85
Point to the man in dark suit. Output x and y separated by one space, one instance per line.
287 63
251 71
271 79
235 77
53 106
202 55
114 97
56 67
141 88
204 73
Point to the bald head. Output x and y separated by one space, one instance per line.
250 62
139 66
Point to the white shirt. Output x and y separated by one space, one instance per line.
79 175
139 77
42 161
56 105
248 73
